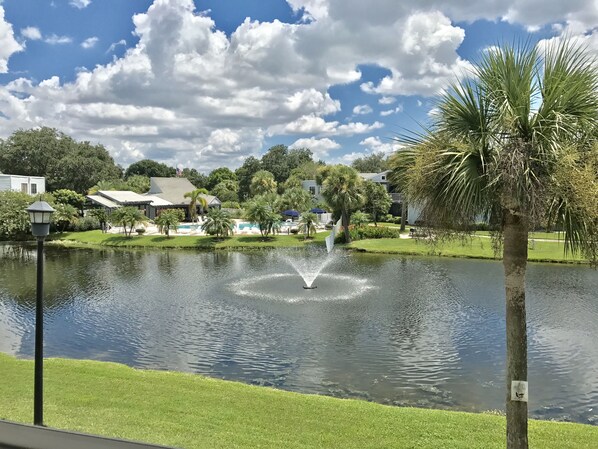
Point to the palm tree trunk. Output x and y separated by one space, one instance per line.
403 215
515 263
345 223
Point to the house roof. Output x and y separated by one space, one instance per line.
174 189
103 201
124 197
373 175
157 201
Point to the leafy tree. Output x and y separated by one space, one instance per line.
64 216
377 200
342 190
138 183
196 199
218 223
151 169
276 162
226 190
196 178
307 223
244 174
299 156
296 199
263 183
306 170
374 163
293 182
14 219
65 163
70 197
514 144
219 175
108 185
169 220
360 219
128 218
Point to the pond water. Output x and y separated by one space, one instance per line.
424 332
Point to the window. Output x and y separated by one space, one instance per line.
383 177
312 190
33 189
24 187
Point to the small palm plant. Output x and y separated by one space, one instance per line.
127 217
307 223
218 223
169 220
360 219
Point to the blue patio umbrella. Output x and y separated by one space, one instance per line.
317 210
290 213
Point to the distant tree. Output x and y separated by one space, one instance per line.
70 197
101 215
219 175
195 200
276 162
151 169
262 183
226 190
293 182
64 216
374 163
138 183
169 220
306 170
14 219
196 178
377 200
342 190
297 157
108 185
262 211
218 223
128 218
307 223
244 175
296 199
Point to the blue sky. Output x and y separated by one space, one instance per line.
207 83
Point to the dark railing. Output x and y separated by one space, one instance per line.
24 436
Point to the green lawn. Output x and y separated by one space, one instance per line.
197 242
193 411
474 247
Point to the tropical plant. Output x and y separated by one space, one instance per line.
296 199
127 217
196 198
377 200
515 144
218 223
261 210
101 215
360 219
342 190
226 190
169 220
64 216
262 183
307 223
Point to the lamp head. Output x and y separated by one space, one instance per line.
40 214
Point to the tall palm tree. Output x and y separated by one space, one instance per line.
218 223
342 189
196 198
516 143
262 183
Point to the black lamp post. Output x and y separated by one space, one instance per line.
40 214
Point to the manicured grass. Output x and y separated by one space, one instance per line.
193 411
198 242
474 247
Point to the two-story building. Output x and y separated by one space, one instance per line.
32 185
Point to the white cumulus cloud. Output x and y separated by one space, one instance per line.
80 4
54 39
362 109
90 42
8 44
31 33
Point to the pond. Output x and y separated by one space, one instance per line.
426 332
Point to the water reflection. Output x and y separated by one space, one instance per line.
425 332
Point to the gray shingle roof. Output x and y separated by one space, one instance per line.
174 189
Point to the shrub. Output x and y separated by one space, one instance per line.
87 223
369 232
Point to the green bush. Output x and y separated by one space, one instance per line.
87 223
369 232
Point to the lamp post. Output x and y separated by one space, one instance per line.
40 214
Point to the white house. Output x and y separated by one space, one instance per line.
32 185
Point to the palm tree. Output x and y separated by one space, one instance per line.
360 219
260 210
169 220
341 188
128 217
307 223
196 198
64 216
262 183
218 223
514 144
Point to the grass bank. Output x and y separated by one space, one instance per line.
193 411
471 247
97 238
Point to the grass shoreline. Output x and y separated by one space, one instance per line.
476 247
194 411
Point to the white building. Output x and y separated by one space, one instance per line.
32 185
